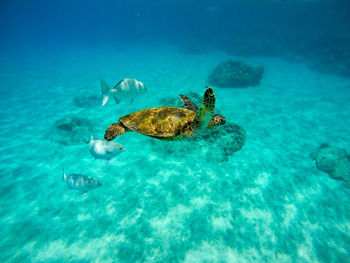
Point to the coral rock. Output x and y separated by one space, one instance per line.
334 161
70 130
235 74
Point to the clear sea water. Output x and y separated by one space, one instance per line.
173 201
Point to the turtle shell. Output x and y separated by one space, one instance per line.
159 122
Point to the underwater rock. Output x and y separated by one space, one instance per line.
333 160
328 66
227 140
327 54
87 101
70 130
218 143
235 74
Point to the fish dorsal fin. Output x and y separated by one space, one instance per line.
114 91
205 111
116 85
189 104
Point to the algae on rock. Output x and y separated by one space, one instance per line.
231 74
333 160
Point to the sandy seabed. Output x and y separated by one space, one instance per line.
165 201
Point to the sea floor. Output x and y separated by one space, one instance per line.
167 201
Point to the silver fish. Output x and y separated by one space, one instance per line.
126 89
106 150
80 182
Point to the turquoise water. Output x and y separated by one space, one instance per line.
170 201
198 200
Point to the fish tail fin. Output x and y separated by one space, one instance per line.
105 91
64 176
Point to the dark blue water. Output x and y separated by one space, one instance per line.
269 27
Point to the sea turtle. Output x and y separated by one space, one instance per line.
167 123
216 120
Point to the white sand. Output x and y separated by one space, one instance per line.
268 203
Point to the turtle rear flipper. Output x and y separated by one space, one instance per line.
189 104
205 111
115 130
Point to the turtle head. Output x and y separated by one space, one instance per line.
217 120
114 130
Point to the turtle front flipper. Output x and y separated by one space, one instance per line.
188 104
205 111
115 130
